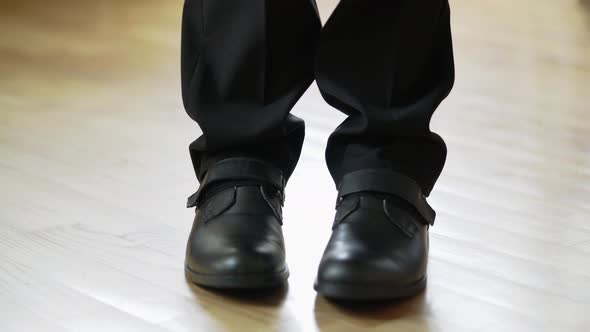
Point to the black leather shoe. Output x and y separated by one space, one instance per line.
379 243
236 240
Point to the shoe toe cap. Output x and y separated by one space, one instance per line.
258 259
347 268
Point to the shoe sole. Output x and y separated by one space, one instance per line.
237 281
367 292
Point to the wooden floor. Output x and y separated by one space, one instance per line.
94 172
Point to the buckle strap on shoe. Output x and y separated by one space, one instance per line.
240 169
388 182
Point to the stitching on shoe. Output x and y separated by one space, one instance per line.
402 221
277 211
344 208
211 210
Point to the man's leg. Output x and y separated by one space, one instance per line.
244 65
387 65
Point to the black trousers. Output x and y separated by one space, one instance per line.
387 64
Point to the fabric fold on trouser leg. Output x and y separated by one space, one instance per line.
387 65
244 65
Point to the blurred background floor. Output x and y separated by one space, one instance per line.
94 172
